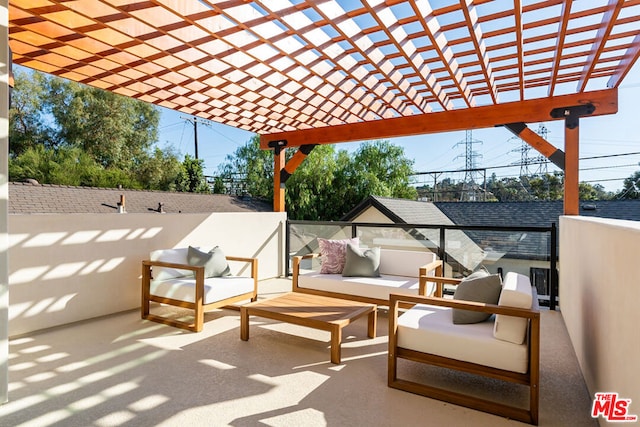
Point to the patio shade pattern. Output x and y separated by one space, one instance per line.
289 65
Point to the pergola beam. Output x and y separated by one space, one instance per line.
555 155
529 111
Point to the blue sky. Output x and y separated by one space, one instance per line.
496 147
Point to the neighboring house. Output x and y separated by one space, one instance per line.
463 254
524 252
34 198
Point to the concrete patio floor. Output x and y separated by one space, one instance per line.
122 371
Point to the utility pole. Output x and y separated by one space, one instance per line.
195 122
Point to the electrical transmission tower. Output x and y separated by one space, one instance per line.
526 160
470 187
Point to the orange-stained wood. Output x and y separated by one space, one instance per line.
278 190
535 110
295 161
571 180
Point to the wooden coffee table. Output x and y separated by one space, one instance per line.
313 311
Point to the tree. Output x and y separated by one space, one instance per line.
93 137
630 187
328 183
547 186
113 129
191 177
254 165
27 129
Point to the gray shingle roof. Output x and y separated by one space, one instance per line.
29 198
402 211
534 214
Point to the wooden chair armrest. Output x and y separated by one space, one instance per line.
150 263
395 299
252 261
241 259
298 258
433 265
440 279
307 256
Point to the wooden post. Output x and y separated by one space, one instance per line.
571 180
278 188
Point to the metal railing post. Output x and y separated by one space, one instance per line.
553 272
287 248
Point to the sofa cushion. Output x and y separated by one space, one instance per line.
215 288
361 262
429 329
404 263
177 256
516 292
370 287
479 286
333 253
214 262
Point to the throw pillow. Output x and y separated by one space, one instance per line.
214 262
332 254
361 263
479 287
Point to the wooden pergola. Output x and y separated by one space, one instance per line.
308 72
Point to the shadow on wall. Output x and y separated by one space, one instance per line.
66 268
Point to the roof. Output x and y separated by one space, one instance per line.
401 211
533 213
296 65
29 198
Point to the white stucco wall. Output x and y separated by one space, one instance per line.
599 296
65 268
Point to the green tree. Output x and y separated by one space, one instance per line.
309 191
94 137
191 177
254 165
630 187
115 130
328 183
594 192
547 186
27 128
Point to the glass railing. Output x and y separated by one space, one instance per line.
531 251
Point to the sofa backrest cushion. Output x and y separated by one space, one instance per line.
361 262
333 254
178 256
214 262
479 286
516 292
404 263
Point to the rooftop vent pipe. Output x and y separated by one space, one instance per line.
121 207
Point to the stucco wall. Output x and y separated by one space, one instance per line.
599 295
65 268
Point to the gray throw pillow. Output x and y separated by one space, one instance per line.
479 287
214 262
361 263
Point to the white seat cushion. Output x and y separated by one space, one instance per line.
215 288
429 329
370 287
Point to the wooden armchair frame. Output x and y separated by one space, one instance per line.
198 306
531 378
